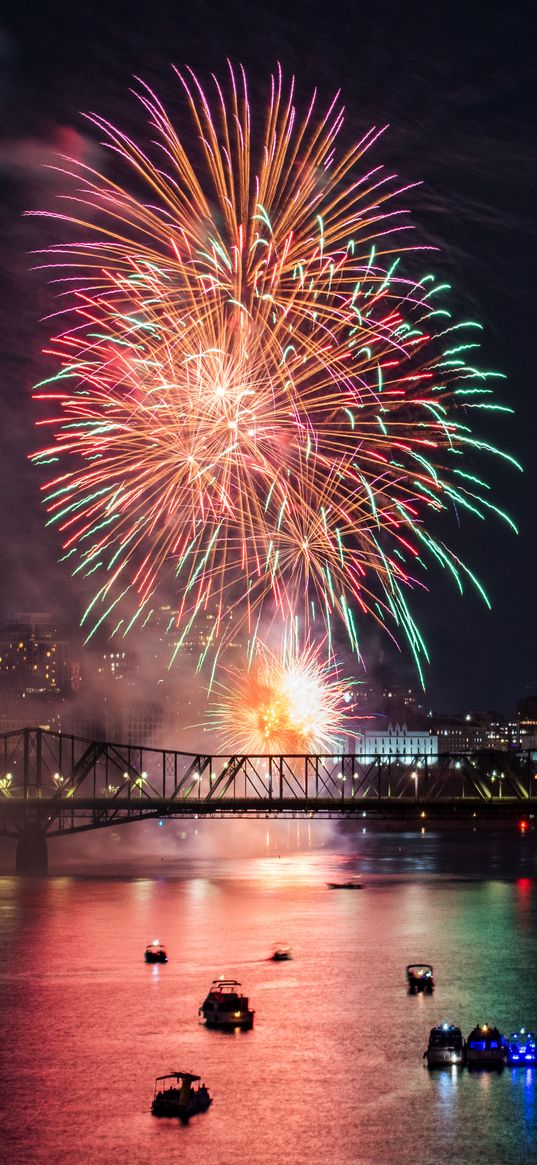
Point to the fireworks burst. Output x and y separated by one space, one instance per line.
252 398
288 702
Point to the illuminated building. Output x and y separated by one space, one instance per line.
116 665
401 696
397 741
475 732
527 721
32 658
203 632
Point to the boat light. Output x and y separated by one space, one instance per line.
155 942
237 1014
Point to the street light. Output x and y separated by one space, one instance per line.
140 782
414 776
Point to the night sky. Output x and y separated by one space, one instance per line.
456 82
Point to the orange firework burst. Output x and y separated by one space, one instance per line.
288 702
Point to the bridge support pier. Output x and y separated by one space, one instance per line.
32 854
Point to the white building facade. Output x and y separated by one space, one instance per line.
397 742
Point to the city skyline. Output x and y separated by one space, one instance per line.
108 694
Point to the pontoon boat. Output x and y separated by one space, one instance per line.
420 977
184 1098
281 954
155 952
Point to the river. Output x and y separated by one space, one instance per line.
332 1072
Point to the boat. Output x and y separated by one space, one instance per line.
486 1047
352 884
420 978
446 1046
225 1007
183 1098
155 952
522 1048
281 954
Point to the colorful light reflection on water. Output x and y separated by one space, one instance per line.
332 1072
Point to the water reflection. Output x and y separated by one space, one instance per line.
525 891
529 1096
447 1083
332 1072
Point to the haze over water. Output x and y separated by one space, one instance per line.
332 1072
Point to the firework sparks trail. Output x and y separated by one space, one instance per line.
288 702
249 393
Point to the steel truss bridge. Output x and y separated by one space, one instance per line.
53 784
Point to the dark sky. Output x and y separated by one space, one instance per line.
456 82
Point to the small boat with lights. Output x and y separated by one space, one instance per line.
180 1094
446 1046
522 1048
155 952
486 1047
281 954
351 884
225 1007
420 978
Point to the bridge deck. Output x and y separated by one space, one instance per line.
57 817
